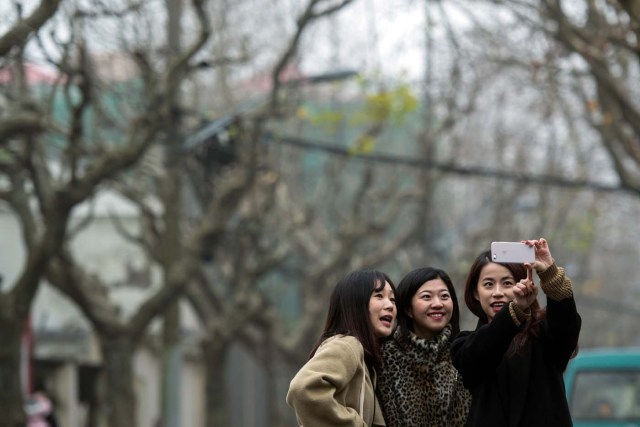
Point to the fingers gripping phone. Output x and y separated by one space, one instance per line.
512 252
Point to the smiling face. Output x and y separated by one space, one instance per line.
382 310
494 289
431 308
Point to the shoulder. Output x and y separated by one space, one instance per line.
461 337
392 343
335 362
345 344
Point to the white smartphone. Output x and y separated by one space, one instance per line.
512 252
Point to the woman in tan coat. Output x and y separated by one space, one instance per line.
336 387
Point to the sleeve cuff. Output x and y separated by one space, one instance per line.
517 314
555 284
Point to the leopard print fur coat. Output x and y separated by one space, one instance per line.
418 385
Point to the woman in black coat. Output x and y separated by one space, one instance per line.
514 361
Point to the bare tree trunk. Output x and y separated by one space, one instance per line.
172 356
119 399
274 397
215 356
171 367
11 413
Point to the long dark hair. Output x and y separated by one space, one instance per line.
349 312
519 272
408 287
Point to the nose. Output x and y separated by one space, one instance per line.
437 302
498 291
389 305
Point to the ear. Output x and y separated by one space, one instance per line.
475 295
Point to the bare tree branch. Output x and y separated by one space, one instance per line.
22 29
87 291
307 17
21 123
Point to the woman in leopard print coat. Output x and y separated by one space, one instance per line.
418 385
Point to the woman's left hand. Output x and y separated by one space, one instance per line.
544 259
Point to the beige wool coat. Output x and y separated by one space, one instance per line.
328 389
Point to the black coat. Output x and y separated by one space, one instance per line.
526 389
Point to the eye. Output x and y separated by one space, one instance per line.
445 296
508 283
487 284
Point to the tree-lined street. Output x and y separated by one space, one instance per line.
185 181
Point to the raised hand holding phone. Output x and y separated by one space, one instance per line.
543 258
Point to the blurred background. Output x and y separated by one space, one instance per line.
183 182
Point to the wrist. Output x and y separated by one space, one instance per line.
518 314
542 267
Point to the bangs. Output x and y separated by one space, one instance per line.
380 281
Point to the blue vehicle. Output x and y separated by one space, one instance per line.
603 387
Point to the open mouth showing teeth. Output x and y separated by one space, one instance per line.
387 319
498 304
436 316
